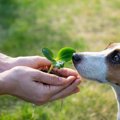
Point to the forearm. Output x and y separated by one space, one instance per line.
3 56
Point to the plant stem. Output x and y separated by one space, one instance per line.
62 103
51 67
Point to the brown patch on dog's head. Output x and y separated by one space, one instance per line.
113 62
114 74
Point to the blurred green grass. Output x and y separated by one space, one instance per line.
28 26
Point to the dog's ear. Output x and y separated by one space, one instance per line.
111 45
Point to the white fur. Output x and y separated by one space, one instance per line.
93 66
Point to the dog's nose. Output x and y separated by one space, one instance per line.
76 57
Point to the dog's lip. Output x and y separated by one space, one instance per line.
88 78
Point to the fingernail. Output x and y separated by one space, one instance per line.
78 81
78 77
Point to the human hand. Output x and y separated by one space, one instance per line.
38 87
37 62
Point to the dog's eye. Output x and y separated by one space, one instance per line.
116 57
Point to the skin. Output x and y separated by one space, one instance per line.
23 77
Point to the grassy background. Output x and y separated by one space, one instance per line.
26 26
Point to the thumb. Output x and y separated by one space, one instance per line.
32 61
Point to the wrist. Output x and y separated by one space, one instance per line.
6 82
3 85
5 62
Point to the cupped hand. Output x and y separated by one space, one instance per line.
38 87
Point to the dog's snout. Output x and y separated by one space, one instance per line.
77 58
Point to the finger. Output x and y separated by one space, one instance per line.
42 61
60 96
52 90
32 61
61 90
66 91
65 72
51 79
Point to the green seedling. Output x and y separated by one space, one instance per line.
64 55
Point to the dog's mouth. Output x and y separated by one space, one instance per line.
89 74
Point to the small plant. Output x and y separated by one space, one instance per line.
64 55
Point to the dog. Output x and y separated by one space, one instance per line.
103 67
